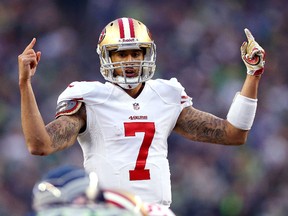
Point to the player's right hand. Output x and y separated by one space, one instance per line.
253 55
28 61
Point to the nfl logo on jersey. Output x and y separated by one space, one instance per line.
136 106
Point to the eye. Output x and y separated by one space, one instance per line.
136 54
121 54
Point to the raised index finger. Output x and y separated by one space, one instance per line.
31 45
249 35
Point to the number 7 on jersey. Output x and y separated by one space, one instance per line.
131 128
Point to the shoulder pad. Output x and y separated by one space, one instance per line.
67 107
170 91
87 92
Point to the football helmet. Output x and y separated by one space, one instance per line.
69 190
126 34
124 200
63 186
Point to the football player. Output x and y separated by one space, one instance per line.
122 125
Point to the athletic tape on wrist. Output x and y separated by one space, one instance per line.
242 112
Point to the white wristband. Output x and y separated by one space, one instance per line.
242 112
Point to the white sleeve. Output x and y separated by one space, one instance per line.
185 99
72 92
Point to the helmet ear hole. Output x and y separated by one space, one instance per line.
144 51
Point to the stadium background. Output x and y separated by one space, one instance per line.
198 42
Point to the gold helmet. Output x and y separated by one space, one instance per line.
126 34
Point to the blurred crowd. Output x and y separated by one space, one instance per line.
199 43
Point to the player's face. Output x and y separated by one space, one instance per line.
132 57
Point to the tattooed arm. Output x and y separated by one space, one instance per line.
57 135
64 130
62 133
205 127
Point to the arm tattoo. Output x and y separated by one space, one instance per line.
63 131
201 126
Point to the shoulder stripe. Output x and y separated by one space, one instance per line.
67 107
185 98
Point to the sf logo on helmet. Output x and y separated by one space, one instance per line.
102 36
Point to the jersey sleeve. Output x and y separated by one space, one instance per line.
69 101
185 99
67 107
72 92
77 93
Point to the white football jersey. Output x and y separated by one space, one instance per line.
125 141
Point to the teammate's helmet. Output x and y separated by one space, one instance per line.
69 190
126 34
124 200
64 185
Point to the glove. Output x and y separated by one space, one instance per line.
253 55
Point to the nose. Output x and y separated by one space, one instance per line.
130 60
130 57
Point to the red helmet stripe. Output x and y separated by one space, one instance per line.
131 25
121 28
126 28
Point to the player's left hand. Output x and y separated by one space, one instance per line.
253 55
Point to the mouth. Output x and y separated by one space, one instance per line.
130 73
